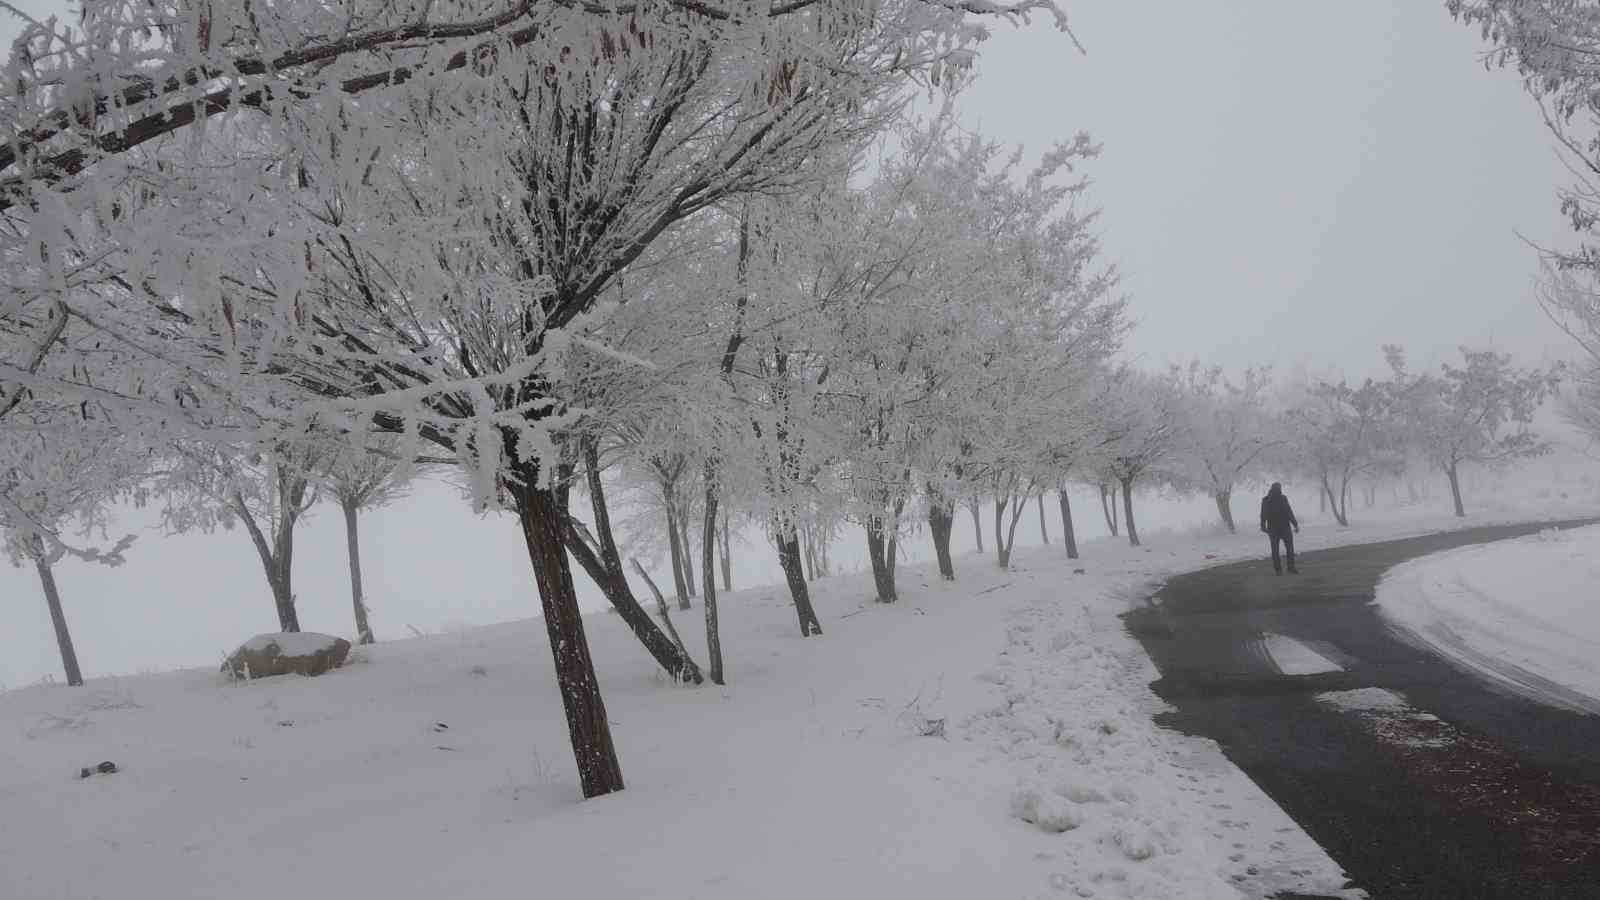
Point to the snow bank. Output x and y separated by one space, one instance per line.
1521 612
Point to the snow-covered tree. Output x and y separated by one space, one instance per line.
1142 420
1227 431
1342 433
54 474
1480 412
363 479
408 212
267 492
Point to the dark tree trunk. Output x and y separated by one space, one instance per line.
1044 530
58 618
1225 509
688 552
724 545
882 560
1127 511
662 610
1453 472
977 525
541 514
1001 551
808 549
352 542
941 516
676 549
1069 534
1108 506
1333 503
606 571
276 561
708 541
789 559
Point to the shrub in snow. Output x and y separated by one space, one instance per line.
300 653
1048 810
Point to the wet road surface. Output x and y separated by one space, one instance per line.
1420 779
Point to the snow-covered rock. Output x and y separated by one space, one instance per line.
284 653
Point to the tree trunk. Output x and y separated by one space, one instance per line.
708 541
1108 507
1069 534
977 525
808 549
1127 512
58 618
273 562
1332 503
1002 552
676 549
688 552
882 563
789 560
1044 530
724 544
662 610
941 516
358 599
606 571
283 597
1225 509
541 515
1455 489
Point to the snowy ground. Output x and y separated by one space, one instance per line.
1521 612
437 766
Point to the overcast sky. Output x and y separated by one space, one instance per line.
1282 183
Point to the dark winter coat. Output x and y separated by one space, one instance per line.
1276 516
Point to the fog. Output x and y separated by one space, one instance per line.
1281 184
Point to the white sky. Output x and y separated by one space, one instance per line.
1282 183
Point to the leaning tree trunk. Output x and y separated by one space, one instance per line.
789 560
676 550
1109 509
1225 509
1332 503
606 571
1453 473
1069 534
941 516
708 540
688 552
541 514
977 524
58 618
352 541
1044 530
1127 511
882 563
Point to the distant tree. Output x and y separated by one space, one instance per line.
52 473
1142 420
268 492
1227 431
1343 432
364 479
1478 413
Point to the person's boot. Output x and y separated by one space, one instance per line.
1293 570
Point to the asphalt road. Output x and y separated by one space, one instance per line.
1475 791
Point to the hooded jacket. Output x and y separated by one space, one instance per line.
1276 516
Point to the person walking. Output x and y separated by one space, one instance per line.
1278 523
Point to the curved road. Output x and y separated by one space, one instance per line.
1465 791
